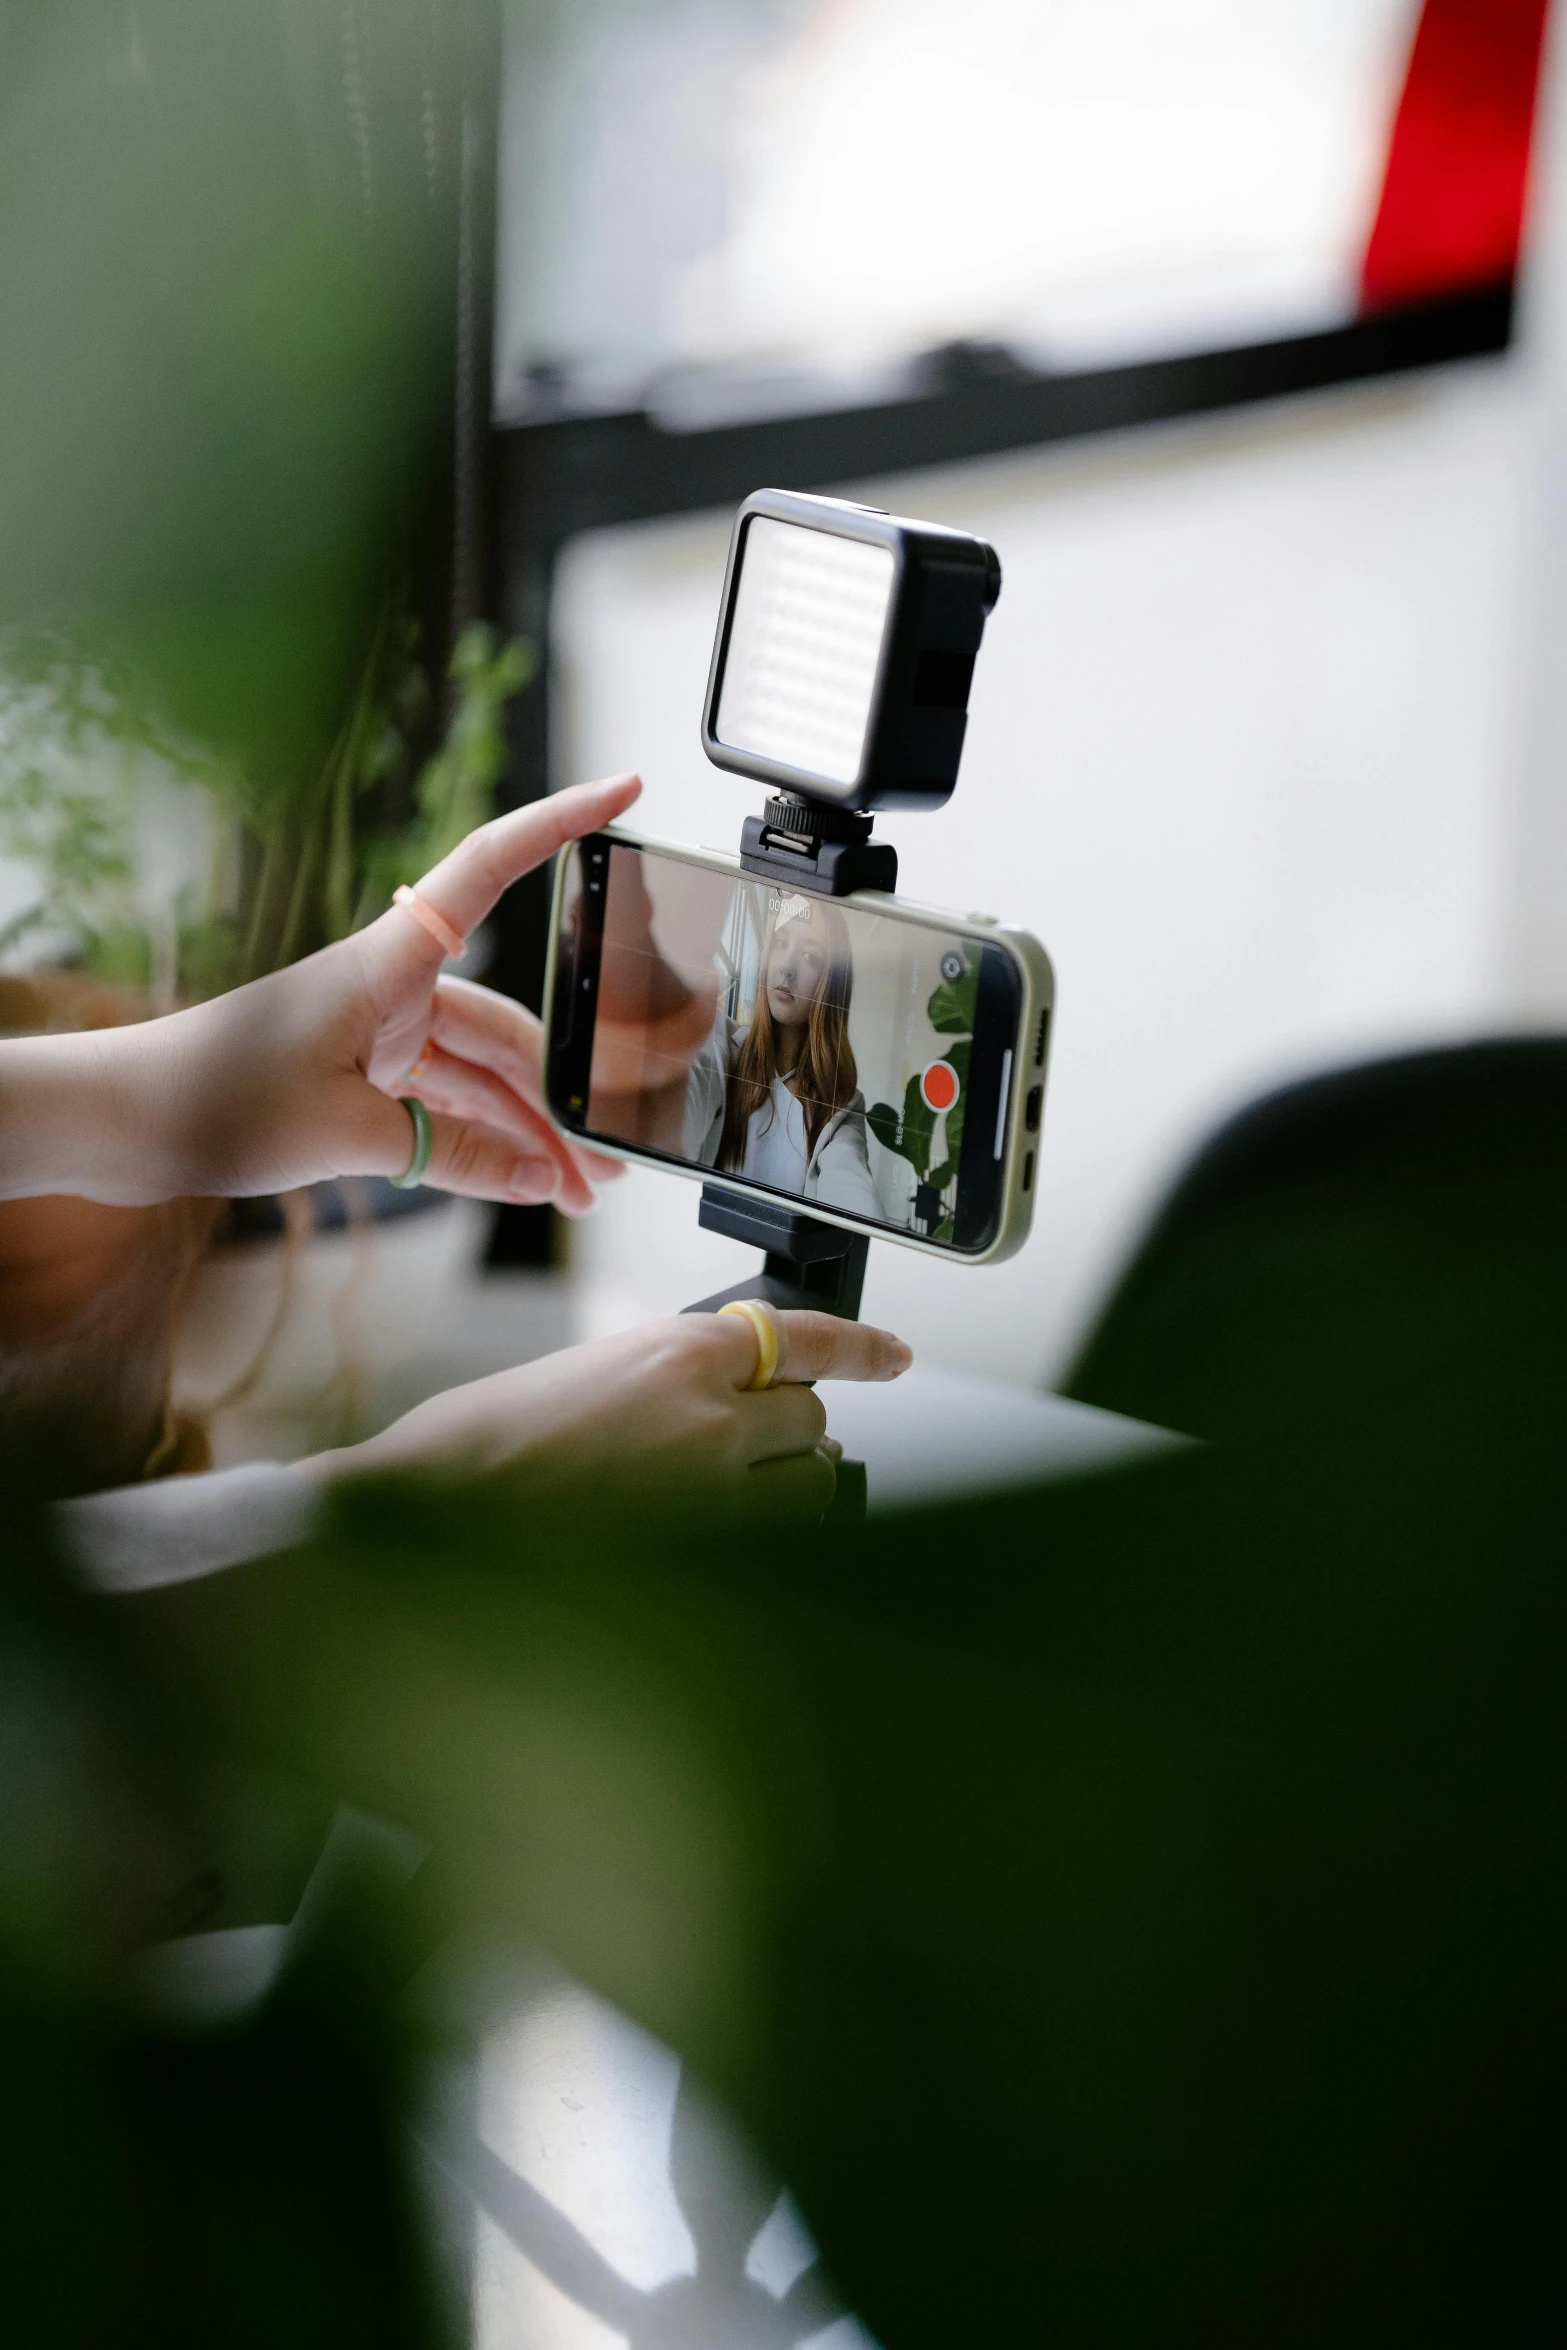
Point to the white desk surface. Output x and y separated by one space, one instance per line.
932 1435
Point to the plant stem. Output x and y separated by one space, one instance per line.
308 846
254 963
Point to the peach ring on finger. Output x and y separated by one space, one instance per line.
764 1322
431 920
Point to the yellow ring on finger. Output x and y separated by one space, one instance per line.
764 1322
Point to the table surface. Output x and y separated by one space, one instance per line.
935 1434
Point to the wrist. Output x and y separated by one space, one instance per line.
69 1118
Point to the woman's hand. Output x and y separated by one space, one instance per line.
295 1077
664 1408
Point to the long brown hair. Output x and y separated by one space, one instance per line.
825 1077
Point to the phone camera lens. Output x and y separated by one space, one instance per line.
952 966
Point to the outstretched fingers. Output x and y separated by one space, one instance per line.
464 887
815 1346
482 1163
472 1094
491 1032
820 1346
375 1136
479 1025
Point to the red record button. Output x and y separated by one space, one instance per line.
939 1085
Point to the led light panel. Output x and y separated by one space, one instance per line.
810 616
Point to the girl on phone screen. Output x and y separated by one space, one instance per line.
777 1098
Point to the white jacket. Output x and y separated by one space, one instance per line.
839 1174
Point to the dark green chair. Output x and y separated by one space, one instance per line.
1373 1262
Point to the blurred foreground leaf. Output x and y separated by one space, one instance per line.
229 253
229 275
1150 1932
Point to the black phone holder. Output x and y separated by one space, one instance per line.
805 1263
815 832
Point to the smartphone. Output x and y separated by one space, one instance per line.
879 1063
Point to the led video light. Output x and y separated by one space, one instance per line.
804 647
845 647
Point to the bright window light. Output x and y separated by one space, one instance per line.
839 184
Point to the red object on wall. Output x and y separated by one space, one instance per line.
1451 211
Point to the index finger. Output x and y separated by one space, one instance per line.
820 1346
465 884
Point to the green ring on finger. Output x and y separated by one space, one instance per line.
424 1143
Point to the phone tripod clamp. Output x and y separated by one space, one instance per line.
805 1263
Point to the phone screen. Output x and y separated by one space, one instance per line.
810 1048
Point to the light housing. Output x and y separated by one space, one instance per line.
845 648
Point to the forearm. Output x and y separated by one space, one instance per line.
73 1118
256 1091
179 1529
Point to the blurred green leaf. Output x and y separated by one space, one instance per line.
225 433
1088 1930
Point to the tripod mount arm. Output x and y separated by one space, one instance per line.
805 1265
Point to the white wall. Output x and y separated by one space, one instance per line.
1265 745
